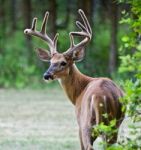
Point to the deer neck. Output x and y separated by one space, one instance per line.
74 83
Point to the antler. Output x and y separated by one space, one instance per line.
42 34
85 32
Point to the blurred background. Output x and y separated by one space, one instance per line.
18 61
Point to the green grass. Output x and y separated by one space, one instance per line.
37 120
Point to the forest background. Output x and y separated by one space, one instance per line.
19 64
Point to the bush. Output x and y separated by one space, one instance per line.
130 68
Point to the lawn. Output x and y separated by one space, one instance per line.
37 120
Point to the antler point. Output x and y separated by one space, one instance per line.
80 11
47 13
76 22
26 31
35 18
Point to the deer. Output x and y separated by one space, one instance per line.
90 96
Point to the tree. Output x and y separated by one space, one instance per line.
113 54
110 8
131 60
53 17
87 6
131 64
26 9
2 24
13 15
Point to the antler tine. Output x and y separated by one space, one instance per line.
79 25
34 22
80 34
85 32
83 42
85 20
43 28
71 41
33 27
42 34
55 40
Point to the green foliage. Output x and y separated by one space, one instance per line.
131 61
99 50
131 68
108 130
16 68
132 97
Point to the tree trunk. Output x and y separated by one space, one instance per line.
53 17
65 23
26 7
13 14
113 15
2 25
87 7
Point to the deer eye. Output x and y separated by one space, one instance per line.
63 63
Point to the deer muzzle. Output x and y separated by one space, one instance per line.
47 76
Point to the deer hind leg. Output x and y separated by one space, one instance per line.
81 142
98 105
86 128
91 116
99 108
87 139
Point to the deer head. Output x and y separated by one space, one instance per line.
60 62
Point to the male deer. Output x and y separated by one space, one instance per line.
91 96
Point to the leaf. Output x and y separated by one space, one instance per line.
125 39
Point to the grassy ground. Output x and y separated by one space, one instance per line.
37 120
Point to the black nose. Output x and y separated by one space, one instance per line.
48 76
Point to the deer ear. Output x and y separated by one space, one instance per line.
43 54
78 55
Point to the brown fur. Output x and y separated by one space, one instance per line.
92 97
